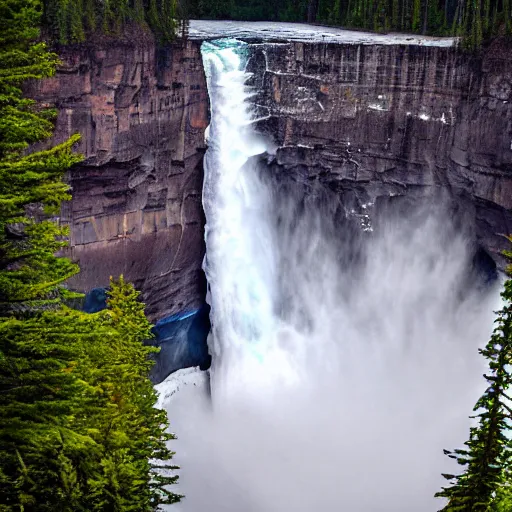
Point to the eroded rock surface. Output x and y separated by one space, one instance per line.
377 122
374 120
136 205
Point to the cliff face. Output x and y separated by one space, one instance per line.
136 205
378 122
373 122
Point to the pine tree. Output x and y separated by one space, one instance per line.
40 393
36 351
78 427
395 11
506 16
312 10
31 188
484 484
70 22
129 429
136 395
416 10
78 424
504 497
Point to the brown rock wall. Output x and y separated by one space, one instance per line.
136 206
372 122
385 121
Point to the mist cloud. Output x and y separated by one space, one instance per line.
373 370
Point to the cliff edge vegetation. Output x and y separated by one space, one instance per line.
473 20
70 22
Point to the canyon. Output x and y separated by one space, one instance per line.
374 119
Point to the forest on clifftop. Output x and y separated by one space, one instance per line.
474 20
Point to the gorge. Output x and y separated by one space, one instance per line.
257 266
328 209
372 118
335 336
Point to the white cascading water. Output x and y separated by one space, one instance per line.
333 387
241 261
236 207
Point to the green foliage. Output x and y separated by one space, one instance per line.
335 13
30 184
78 426
474 20
70 22
485 482
294 10
40 392
216 8
79 429
416 10
21 122
135 427
504 498
163 19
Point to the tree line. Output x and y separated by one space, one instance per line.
474 20
78 426
75 21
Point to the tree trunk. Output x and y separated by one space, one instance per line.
425 18
312 10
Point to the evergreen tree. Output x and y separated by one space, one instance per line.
485 483
163 19
30 185
131 431
312 10
217 8
41 450
35 387
504 497
70 22
78 427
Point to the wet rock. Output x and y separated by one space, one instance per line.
374 118
182 342
393 120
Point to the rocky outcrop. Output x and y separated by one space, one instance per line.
376 122
136 206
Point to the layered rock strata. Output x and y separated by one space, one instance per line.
377 122
136 207
374 120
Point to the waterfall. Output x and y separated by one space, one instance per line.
344 359
241 262
236 208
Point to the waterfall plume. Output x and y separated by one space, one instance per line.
343 361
